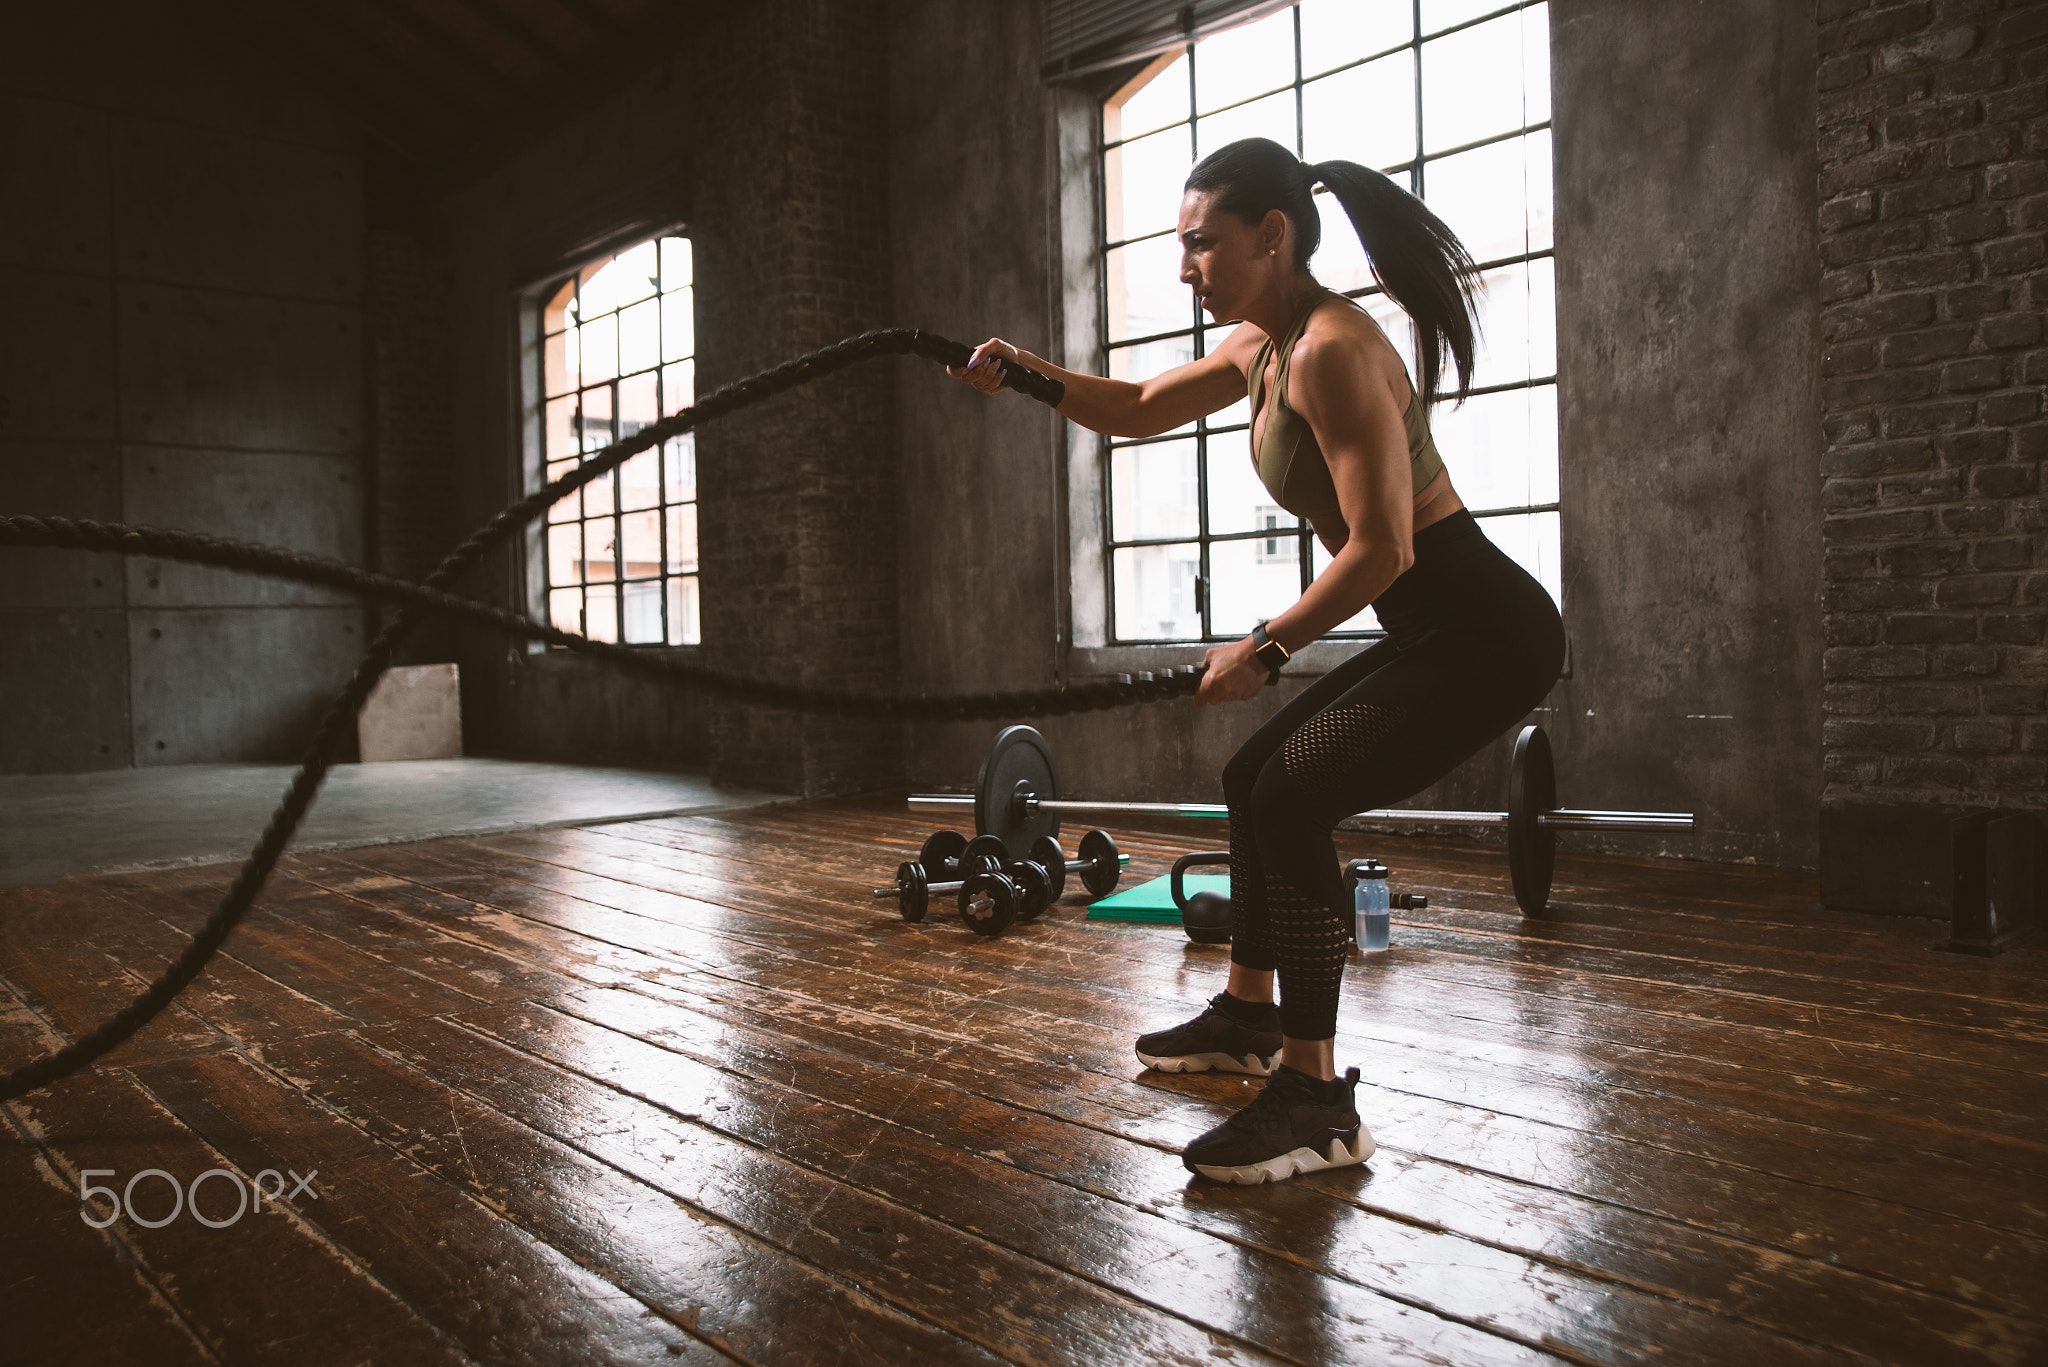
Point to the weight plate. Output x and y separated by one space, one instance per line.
988 903
984 853
1532 846
1098 852
1034 888
941 852
1047 854
1019 762
910 891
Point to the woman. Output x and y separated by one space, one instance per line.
1340 437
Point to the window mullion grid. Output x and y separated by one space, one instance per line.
661 457
1199 341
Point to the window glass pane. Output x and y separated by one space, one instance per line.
600 342
675 263
599 537
683 628
1490 196
601 614
1153 491
682 539
1319 560
637 408
1334 32
642 551
640 337
1237 501
643 612
1517 325
678 325
1145 291
637 271
596 296
678 387
1340 262
1501 448
1536 61
565 509
1147 359
1366 114
1245 585
565 555
679 467
565 610
554 353
640 482
560 427
597 497
1472 84
1241 62
1155 592
1159 102
595 422
1272 117
1531 541
1141 183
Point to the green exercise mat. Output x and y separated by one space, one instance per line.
1153 901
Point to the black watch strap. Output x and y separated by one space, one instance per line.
1270 652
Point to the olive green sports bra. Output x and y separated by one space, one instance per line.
1291 465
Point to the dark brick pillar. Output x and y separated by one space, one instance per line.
798 495
1933 125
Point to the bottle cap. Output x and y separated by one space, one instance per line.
1365 868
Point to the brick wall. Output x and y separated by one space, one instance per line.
791 244
1933 125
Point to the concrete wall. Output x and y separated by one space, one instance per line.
1686 350
181 244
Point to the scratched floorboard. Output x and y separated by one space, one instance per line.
679 1090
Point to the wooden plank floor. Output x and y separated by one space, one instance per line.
678 1090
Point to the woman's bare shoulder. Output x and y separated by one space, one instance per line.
1342 340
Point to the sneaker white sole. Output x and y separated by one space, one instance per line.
1339 1155
1202 1063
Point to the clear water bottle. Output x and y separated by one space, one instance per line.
1372 905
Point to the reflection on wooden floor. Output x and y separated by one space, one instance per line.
681 1091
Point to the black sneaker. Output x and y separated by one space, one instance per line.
1214 1039
1290 1127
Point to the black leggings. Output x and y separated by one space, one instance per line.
1473 643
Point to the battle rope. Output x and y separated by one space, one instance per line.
430 594
196 548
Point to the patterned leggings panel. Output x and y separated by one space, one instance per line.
1378 729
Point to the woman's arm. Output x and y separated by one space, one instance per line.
1346 394
1119 408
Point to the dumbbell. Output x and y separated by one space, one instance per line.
944 852
1100 866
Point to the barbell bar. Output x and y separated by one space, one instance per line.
1016 797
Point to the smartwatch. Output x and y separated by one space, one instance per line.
1269 652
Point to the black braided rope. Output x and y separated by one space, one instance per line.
431 594
198 548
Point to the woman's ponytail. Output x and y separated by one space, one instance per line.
1420 263
1415 256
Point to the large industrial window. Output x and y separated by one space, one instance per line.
616 347
1451 98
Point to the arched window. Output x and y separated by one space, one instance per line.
1452 99
616 347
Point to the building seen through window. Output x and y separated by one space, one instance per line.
616 355
1452 99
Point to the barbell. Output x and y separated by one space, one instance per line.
1016 796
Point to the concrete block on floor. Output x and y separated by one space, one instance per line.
414 712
